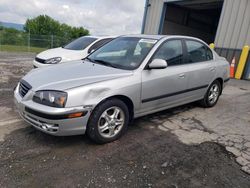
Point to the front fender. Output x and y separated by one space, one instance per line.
92 95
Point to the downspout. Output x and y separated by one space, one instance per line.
147 5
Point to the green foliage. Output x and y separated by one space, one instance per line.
42 32
45 25
42 25
78 31
12 36
16 48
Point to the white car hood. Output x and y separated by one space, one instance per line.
65 54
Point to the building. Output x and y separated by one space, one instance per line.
223 22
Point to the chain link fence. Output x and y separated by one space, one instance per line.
25 42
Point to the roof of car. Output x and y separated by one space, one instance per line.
102 36
155 37
158 37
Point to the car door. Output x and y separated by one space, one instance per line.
202 68
163 87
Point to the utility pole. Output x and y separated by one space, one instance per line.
29 41
52 41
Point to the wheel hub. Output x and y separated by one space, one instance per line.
213 94
111 122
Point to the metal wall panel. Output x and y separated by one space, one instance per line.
238 23
234 26
153 16
223 23
245 27
231 23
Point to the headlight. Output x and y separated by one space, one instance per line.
51 98
53 60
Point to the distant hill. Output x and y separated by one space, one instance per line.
12 25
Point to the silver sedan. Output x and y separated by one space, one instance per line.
129 77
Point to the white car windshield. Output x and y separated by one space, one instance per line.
80 43
123 52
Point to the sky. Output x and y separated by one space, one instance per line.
100 17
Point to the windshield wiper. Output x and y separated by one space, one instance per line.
91 60
104 63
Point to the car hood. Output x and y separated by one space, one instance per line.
65 54
70 75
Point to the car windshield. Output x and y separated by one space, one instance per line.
123 52
80 43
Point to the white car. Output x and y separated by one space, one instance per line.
75 50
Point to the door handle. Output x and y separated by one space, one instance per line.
182 75
212 69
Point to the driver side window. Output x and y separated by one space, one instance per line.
171 51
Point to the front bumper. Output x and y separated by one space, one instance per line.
53 123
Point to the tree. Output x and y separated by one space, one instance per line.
78 31
45 25
42 25
12 36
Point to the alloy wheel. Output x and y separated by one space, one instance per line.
213 93
111 122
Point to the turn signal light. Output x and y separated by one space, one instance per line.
75 115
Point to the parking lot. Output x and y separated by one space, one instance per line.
187 146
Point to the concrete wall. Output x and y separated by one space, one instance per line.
234 26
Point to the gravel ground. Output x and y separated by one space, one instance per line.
186 146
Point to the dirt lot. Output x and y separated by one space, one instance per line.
186 146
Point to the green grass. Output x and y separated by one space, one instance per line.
13 48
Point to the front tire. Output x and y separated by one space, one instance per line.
212 95
108 121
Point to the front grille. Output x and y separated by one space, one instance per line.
24 87
40 60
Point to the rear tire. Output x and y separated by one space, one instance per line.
212 95
108 121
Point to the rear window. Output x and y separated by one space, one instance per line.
198 52
80 43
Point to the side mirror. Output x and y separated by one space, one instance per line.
158 64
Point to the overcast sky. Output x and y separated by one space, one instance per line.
109 17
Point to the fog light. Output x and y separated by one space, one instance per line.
49 127
44 126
